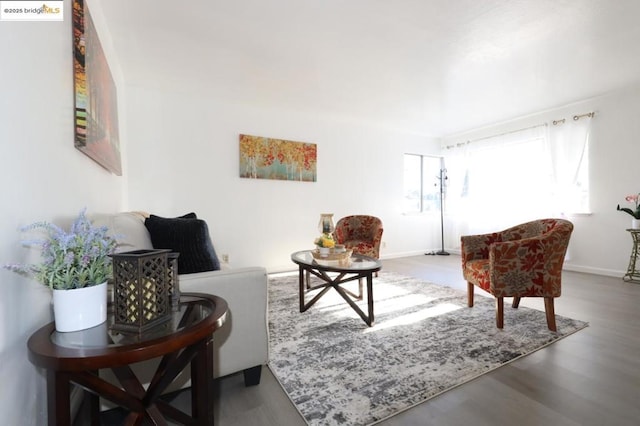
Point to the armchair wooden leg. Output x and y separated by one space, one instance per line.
500 312
551 315
516 302
469 294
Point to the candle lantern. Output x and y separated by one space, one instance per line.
174 284
141 297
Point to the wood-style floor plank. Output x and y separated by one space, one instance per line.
590 378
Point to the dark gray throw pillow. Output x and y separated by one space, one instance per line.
189 237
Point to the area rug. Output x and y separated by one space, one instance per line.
425 340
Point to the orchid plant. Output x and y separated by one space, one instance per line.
75 259
635 199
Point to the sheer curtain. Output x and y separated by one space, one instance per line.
498 182
568 143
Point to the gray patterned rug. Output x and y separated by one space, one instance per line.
338 371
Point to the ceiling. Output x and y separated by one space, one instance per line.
433 67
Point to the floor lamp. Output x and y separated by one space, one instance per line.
441 181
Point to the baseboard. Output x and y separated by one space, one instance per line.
594 271
293 267
566 267
405 254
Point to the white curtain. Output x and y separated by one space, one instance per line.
498 182
568 144
501 181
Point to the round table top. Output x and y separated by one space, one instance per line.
359 263
197 317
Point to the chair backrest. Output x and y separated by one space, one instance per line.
358 227
556 231
537 228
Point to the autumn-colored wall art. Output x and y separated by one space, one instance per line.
96 106
266 158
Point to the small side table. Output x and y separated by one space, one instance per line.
633 274
76 357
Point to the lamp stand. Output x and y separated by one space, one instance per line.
441 180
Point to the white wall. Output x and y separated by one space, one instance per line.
43 177
181 155
599 243
184 157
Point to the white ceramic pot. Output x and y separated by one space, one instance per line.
324 251
80 308
635 223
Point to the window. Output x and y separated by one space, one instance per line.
499 181
421 183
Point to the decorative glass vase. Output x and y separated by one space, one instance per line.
326 226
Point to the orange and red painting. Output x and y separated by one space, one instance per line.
96 107
266 158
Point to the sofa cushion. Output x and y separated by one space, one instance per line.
126 228
189 237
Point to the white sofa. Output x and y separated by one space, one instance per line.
242 342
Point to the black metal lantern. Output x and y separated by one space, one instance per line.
141 296
173 288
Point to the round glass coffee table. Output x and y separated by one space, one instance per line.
359 268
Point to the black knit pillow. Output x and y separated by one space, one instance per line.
187 236
191 215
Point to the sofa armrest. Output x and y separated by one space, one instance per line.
243 339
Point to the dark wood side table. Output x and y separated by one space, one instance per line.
633 274
361 267
76 357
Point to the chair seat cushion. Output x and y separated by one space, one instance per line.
365 248
477 273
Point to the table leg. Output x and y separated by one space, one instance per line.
58 403
370 297
301 282
202 381
93 403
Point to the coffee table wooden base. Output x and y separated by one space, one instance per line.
335 283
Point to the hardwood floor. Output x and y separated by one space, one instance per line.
589 378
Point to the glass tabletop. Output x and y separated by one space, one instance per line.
358 262
189 312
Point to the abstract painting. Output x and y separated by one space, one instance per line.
266 158
96 106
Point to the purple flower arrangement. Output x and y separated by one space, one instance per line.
75 259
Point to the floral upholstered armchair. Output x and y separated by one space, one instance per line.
362 234
523 261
